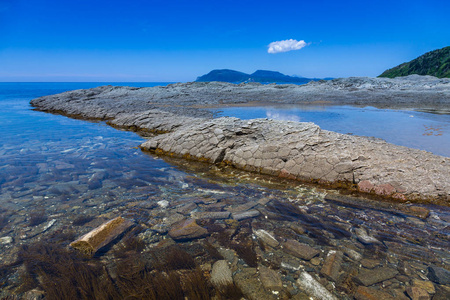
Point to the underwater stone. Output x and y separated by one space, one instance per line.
270 279
6 240
438 275
211 215
266 238
221 274
163 203
364 238
312 287
101 236
369 277
299 250
365 293
245 214
187 230
332 265
416 293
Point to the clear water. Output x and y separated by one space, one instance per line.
420 130
60 169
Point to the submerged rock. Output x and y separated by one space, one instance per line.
332 265
312 287
101 236
299 250
369 277
221 274
439 275
187 230
367 293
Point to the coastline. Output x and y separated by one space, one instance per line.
176 124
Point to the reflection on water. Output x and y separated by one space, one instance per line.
420 130
61 178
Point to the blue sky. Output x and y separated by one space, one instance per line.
152 40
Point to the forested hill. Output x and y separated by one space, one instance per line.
262 76
435 63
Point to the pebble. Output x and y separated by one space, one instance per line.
299 250
369 277
187 230
6 240
367 293
313 288
416 293
163 203
364 238
267 238
426 285
221 274
270 279
214 215
245 214
438 275
332 265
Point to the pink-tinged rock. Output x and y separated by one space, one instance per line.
416 293
384 189
187 230
365 186
399 196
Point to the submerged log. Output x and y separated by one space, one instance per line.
101 236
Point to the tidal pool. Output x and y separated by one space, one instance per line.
420 130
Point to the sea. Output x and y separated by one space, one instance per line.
62 177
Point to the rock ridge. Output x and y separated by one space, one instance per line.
170 117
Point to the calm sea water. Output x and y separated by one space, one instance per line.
425 131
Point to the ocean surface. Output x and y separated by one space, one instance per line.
61 178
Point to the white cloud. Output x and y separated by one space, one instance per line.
281 116
286 45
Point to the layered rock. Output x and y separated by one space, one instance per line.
305 152
302 151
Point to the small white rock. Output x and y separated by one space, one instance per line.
163 203
6 240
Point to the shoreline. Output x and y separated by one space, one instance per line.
175 128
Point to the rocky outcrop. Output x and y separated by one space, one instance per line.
305 152
171 116
107 102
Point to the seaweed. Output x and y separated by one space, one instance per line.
247 253
173 258
212 251
81 220
229 292
196 286
130 243
37 218
3 221
64 274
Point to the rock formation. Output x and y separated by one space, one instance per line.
176 125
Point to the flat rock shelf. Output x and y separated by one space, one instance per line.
176 124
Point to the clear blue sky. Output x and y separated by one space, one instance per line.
152 40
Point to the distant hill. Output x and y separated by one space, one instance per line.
435 63
262 76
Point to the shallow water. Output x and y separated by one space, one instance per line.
420 130
54 170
